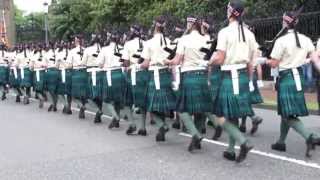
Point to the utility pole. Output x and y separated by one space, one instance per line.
45 4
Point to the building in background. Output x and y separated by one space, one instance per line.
7 25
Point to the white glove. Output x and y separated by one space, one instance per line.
261 60
251 86
203 63
260 83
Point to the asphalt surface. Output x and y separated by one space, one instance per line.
35 144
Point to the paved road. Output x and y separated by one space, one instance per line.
36 144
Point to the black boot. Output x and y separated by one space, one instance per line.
161 136
97 118
55 108
82 113
255 125
176 124
152 122
68 110
311 144
26 100
131 130
142 132
3 97
195 143
18 100
50 108
231 156
64 110
243 128
114 124
217 133
244 150
279 147
41 103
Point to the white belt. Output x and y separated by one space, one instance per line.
156 75
134 69
38 74
109 74
177 74
3 65
22 73
296 77
63 75
79 67
186 69
15 72
234 75
93 72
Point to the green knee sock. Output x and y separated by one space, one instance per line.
109 108
131 119
232 143
298 126
143 120
188 123
234 132
284 130
200 121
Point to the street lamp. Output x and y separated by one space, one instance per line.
46 6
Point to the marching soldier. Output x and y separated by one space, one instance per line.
235 47
26 74
14 76
79 88
96 76
52 76
39 66
160 96
4 71
290 57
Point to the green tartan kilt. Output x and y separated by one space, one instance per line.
96 91
28 78
52 80
194 93
139 91
114 93
64 88
162 100
215 82
255 96
228 104
80 89
290 101
128 95
14 82
4 75
39 86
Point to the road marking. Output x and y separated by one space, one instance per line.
265 154
257 152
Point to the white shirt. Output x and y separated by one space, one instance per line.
89 55
130 48
50 57
38 61
107 59
75 59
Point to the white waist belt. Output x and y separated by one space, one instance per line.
109 74
156 75
38 74
134 69
15 72
234 75
4 65
186 69
63 75
177 72
296 77
93 72
79 67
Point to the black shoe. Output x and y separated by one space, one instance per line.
243 129
279 147
125 118
176 124
50 108
203 131
152 122
244 150
311 144
18 99
114 124
64 110
231 156
41 104
55 109
97 118
142 132
195 143
217 133
161 136
131 130
3 97
255 125
82 113
184 129
68 111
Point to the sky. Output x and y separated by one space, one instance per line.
30 5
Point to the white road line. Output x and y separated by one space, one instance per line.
265 154
257 152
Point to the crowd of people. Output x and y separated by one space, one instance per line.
190 76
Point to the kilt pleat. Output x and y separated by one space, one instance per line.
65 88
139 91
162 100
4 75
39 86
128 95
255 96
194 93
215 82
52 80
290 101
97 90
79 85
14 82
27 81
228 104
114 93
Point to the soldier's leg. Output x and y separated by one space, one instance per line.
160 121
142 119
214 122
200 122
284 130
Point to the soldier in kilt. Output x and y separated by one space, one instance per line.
26 74
290 57
113 80
235 47
95 78
137 80
255 98
194 91
52 77
80 89
39 66
4 72
14 76
65 78
160 96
